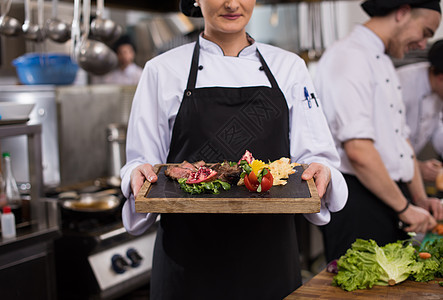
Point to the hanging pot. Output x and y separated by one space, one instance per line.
32 31
57 30
8 26
105 30
93 56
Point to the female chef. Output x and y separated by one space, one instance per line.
212 100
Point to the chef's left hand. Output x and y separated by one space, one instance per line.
321 175
435 207
432 205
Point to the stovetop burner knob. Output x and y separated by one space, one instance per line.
134 257
119 264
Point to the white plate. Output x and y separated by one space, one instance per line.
15 111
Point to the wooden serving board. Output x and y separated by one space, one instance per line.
319 287
165 196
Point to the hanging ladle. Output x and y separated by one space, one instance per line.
32 31
8 26
57 30
104 30
94 56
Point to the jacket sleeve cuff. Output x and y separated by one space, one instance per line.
136 223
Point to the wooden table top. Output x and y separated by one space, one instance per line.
319 287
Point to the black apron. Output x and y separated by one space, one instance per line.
364 216
227 256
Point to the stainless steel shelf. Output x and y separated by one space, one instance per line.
33 133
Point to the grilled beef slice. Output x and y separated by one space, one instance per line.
183 170
227 173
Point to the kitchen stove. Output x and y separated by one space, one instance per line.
96 258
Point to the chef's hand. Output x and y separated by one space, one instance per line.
432 205
429 169
321 175
138 176
418 218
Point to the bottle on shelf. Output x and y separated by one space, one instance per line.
8 223
12 193
3 201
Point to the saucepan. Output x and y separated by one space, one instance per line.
104 202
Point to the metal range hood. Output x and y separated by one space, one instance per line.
170 5
141 5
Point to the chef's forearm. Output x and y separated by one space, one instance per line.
372 173
416 187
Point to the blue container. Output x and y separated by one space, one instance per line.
37 68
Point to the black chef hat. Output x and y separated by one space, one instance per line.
435 56
384 7
123 40
188 9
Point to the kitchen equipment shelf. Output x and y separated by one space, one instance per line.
31 251
33 133
43 214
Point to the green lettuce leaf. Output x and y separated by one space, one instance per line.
397 262
213 187
366 264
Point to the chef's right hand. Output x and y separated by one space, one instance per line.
138 176
419 219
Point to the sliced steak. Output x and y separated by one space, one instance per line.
183 170
175 172
199 164
188 165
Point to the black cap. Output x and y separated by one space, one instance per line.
188 9
435 56
384 7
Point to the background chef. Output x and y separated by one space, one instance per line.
422 91
126 72
360 91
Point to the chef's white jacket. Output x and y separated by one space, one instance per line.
160 92
423 107
361 97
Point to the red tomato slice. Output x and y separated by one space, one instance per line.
266 182
251 182
253 179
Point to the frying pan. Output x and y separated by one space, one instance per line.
88 203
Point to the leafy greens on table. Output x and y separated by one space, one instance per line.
366 264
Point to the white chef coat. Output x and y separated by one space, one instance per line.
160 92
361 97
128 76
423 107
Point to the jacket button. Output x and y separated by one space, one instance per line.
188 93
